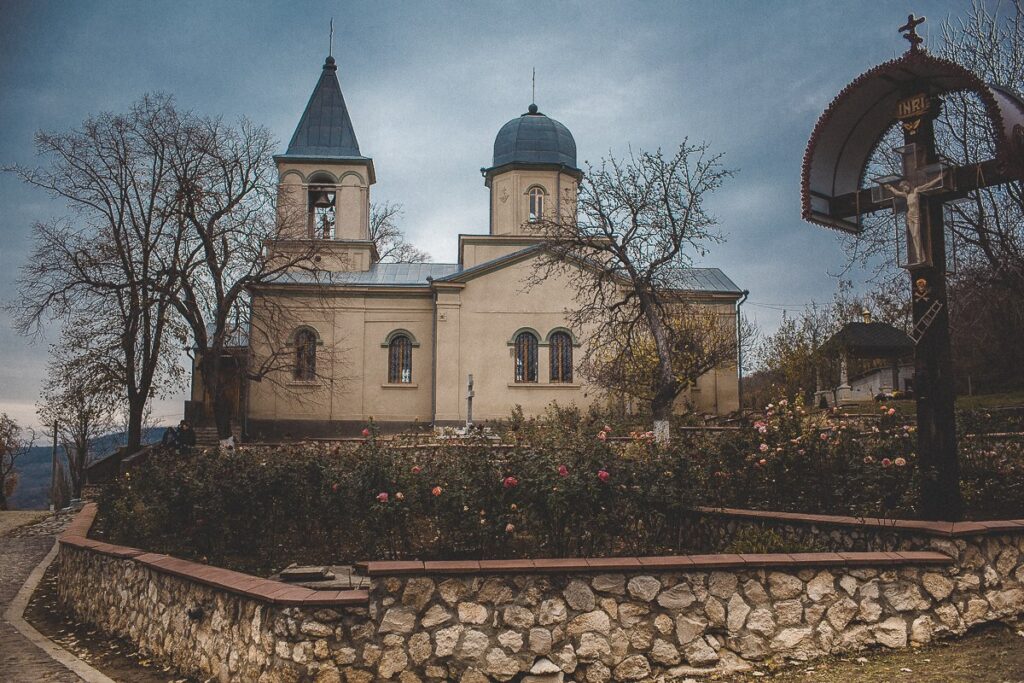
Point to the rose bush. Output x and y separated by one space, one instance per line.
552 487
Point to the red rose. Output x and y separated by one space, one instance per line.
416 469
603 475
334 487
563 471
510 482
366 433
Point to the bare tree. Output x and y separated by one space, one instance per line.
80 399
230 231
12 446
387 237
638 224
103 263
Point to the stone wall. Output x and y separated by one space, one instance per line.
623 619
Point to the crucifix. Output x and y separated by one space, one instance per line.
907 92
908 193
469 401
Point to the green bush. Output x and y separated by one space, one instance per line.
262 508
562 485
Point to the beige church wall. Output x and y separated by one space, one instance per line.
449 379
479 249
510 202
351 204
333 256
279 395
493 308
398 402
351 363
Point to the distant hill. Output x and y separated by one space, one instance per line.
33 492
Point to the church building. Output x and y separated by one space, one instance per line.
397 342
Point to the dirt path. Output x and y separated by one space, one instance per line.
993 654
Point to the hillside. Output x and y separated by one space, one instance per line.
33 492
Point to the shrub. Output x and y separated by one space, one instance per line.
561 485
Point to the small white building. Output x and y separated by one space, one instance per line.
868 341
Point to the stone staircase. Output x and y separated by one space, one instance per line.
206 436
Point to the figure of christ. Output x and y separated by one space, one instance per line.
916 248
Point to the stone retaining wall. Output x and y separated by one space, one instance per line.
623 619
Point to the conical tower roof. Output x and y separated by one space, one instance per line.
325 129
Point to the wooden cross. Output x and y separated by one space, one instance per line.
469 401
910 32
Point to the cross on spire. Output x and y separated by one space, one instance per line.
533 88
330 51
909 31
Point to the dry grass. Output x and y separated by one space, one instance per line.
992 654
12 519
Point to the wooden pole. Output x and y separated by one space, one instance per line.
933 362
53 471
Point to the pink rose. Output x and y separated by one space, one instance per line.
900 462
868 460
510 482
886 462
603 475
608 429
366 433
510 528
416 469
399 496
563 471
762 461
382 497
436 490
891 411
602 436
764 448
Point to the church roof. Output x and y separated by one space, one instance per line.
871 340
379 275
325 129
534 138
702 280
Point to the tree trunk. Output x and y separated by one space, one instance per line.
3 495
136 409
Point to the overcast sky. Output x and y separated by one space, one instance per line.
429 84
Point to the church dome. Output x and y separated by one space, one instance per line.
534 138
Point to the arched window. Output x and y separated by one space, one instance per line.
560 346
305 356
400 360
536 204
526 357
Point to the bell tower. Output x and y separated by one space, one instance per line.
324 182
